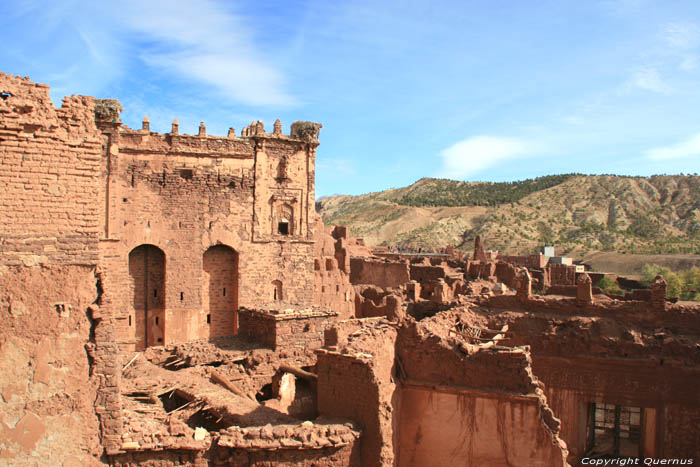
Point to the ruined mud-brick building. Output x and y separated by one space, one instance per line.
173 299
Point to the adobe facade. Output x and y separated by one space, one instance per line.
173 299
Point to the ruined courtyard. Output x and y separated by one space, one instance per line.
175 300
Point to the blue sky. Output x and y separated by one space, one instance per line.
470 90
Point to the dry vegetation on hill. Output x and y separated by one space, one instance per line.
579 213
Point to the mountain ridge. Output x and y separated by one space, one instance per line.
628 214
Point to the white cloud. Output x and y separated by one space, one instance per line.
682 150
205 42
681 35
475 154
208 43
650 80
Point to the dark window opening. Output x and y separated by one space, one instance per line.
160 339
156 321
283 228
208 319
182 296
123 200
307 327
148 224
274 294
129 320
187 174
155 292
224 291
614 430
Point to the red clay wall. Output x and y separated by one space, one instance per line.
360 387
382 273
49 226
461 427
332 287
186 194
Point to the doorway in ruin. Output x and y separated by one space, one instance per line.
147 274
220 291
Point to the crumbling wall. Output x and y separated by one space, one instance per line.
382 273
371 301
358 385
422 273
484 407
291 329
332 287
49 225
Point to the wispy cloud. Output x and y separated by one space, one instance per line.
473 155
206 42
682 150
681 35
649 79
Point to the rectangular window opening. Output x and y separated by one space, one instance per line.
155 292
182 296
283 228
224 291
615 430
129 320
156 321
208 319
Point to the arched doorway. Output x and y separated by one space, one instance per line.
220 290
147 273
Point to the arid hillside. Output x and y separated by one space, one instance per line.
580 214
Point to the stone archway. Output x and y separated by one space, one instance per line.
220 290
147 274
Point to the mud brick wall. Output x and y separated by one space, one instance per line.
294 330
337 335
422 274
208 206
562 274
332 287
667 395
359 386
49 167
506 273
49 229
258 327
381 273
500 370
